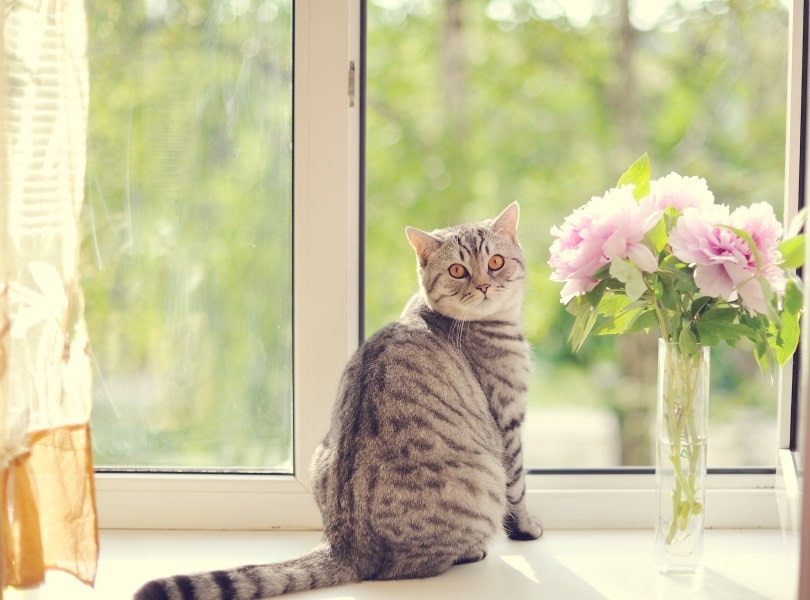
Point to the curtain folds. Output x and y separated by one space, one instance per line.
47 500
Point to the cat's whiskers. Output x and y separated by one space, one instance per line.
457 331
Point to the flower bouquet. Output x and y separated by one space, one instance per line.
662 254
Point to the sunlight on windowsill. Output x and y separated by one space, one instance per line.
613 564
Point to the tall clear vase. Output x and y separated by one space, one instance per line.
680 468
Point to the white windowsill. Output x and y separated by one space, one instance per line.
612 564
595 502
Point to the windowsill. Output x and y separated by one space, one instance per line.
739 564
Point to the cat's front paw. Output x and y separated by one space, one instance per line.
522 528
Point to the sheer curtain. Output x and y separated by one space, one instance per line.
48 515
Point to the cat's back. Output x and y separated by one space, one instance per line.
413 453
412 368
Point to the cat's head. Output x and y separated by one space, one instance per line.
472 272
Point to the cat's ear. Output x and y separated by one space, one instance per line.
507 221
423 243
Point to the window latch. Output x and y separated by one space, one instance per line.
352 83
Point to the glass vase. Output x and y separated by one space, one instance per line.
680 468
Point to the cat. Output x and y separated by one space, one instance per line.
422 464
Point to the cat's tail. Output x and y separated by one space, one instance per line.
320 568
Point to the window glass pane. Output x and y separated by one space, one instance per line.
474 104
187 240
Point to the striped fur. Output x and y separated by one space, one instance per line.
422 465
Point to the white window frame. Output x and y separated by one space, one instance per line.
326 270
325 299
789 465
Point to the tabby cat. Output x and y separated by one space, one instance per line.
422 464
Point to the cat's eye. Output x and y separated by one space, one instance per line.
457 271
496 261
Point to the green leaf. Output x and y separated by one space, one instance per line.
789 336
578 305
594 297
720 315
765 356
638 175
712 332
684 279
699 304
793 296
583 324
720 324
617 323
767 292
613 304
792 252
789 332
687 343
646 320
657 236
631 276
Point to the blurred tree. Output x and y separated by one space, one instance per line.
475 104
472 104
188 232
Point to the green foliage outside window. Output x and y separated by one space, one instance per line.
187 241
471 104
475 104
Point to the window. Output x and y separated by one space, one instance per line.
325 129
326 184
188 241
547 103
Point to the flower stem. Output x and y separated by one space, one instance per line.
684 380
659 315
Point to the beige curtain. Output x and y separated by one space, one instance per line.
48 517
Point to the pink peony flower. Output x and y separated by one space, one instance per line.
607 228
725 265
681 192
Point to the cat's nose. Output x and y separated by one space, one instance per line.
482 287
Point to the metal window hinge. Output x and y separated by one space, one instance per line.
352 83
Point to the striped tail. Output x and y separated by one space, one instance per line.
320 568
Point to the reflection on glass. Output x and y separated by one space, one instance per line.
474 104
187 240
